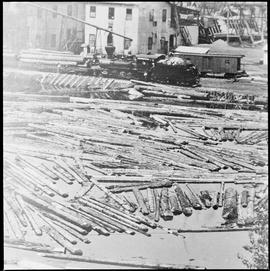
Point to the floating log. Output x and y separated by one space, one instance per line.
46 173
175 206
214 199
29 215
156 184
122 262
104 217
59 229
71 218
241 212
111 195
139 197
205 198
165 210
119 179
116 211
146 201
73 233
58 173
157 201
66 224
217 229
250 208
127 220
10 199
38 247
244 198
132 205
193 198
184 202
151 200
97 224
13 222
221 194
114 217
61 241
28 178
230 204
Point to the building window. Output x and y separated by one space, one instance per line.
39 13
164 15
227 61
92 40
111 13
162 43
53 40
150 43
151 15
128 14
127 44
92 12
54 14
69 10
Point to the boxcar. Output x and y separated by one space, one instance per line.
229 65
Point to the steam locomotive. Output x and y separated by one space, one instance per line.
156 68
159 68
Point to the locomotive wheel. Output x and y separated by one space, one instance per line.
129 76
122 74
154 78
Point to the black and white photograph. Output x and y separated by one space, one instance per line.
135 135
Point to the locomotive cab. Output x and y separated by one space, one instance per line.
145 64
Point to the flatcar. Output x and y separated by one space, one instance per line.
229 65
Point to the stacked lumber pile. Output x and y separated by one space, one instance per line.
47 59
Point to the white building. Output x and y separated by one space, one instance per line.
121 18
148 24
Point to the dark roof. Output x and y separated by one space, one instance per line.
155 56
218 48
211 54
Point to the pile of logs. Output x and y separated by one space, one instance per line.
35 200
41 59
80 166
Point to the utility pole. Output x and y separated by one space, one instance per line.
227 6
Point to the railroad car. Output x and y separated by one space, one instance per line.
229 65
